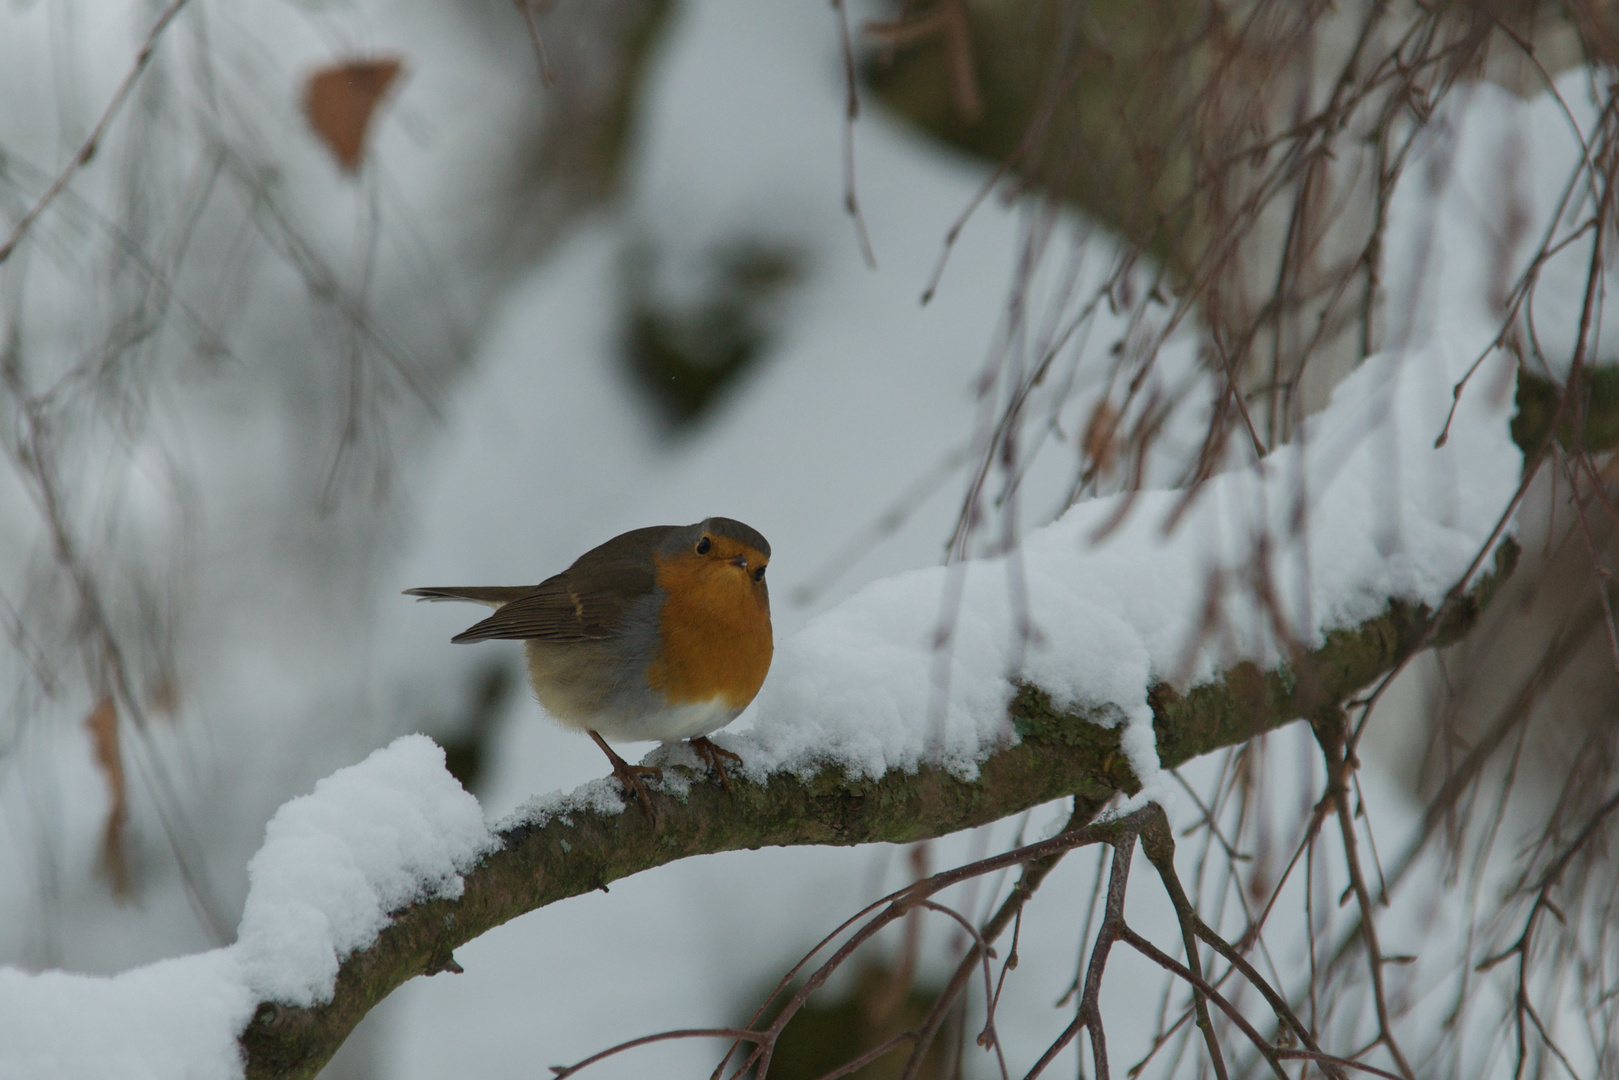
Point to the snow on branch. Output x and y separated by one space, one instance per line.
371 840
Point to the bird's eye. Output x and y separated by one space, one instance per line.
703 545
759 574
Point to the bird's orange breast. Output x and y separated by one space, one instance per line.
714 633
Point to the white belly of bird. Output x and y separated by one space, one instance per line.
672 722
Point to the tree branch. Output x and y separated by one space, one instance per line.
1060 753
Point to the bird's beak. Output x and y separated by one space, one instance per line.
740 560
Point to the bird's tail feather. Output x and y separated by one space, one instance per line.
494 596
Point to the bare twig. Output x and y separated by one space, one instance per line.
851 197
87 149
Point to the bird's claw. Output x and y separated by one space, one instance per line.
629 778
712 754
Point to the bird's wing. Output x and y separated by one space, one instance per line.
549 611
586 602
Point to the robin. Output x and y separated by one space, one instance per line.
660 633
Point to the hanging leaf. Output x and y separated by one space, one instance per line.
340 100
102 724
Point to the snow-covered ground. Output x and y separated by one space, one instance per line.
546 449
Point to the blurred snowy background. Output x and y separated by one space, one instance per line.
564 283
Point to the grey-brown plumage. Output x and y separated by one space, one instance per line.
588 601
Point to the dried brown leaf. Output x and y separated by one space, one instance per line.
340 100
102 724
1101 439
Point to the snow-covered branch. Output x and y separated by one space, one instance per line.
579 847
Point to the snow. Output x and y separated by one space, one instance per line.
1484 189
371 838
171 1019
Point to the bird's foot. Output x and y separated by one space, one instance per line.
713 754
629 777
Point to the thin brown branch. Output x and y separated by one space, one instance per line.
851 197
1034 872
561 1071
87 149
1331 731
1168 963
